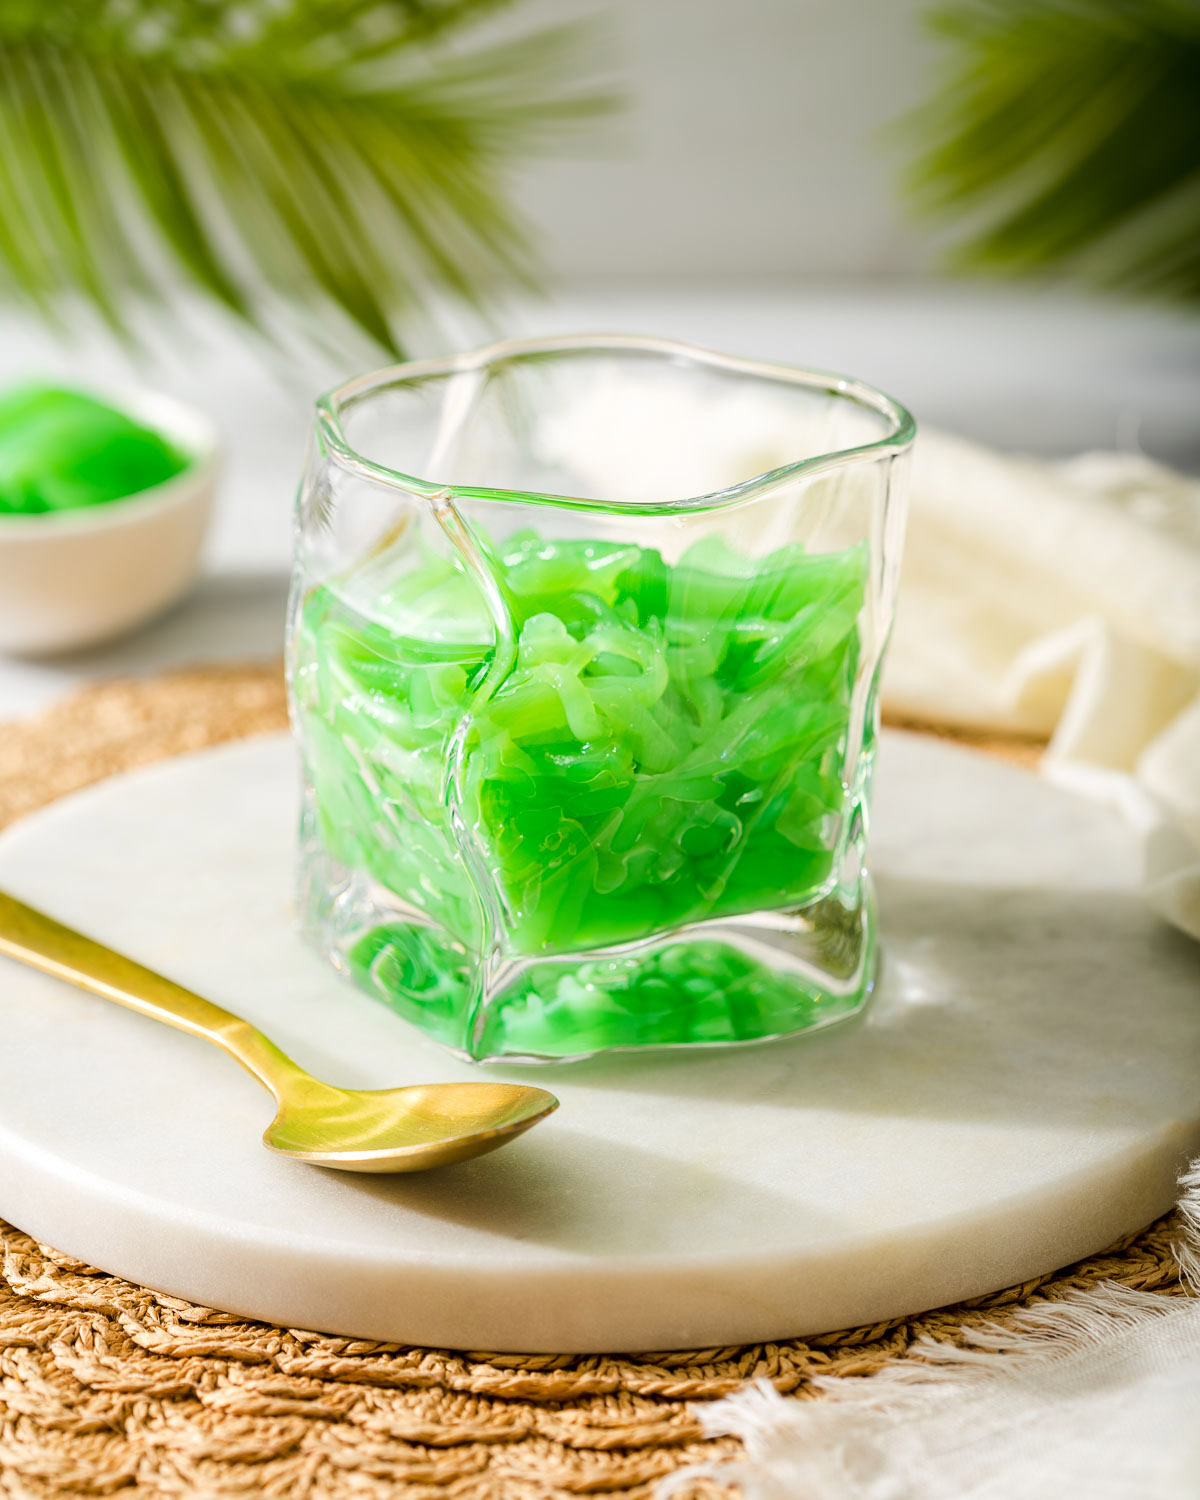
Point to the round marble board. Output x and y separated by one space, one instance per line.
1022 1091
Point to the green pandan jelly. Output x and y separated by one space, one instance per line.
62 450
655 746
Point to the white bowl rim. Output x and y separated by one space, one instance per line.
184 424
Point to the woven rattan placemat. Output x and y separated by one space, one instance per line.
107 1387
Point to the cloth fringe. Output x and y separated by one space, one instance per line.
1094 1396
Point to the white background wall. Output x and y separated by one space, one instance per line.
759 140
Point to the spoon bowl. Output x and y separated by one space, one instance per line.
402 1130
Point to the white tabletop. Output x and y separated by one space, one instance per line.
1047 373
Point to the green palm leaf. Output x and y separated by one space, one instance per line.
345 156
1067 133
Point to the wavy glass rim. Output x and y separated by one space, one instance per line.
332 404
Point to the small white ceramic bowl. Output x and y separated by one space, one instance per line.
73 578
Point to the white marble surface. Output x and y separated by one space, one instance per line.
1023 1090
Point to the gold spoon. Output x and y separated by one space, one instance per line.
356 1130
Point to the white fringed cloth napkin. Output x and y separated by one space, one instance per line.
1091 1397
1063 600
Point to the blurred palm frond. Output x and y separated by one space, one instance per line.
341 155
1067 133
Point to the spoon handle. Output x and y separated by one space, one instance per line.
38 940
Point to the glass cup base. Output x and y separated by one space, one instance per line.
726 982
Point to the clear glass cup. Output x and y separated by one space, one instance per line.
584 655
